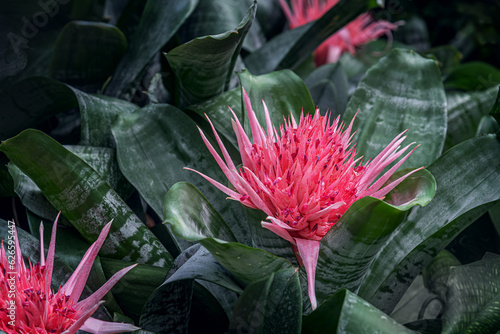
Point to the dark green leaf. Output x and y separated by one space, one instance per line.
186 203
159 22
447 57
249 312
246 264
473 297
465 111
466 178
346 313
284 304
292 47
168 308
213 17
217 109
84 198
202 266
402 91
6 184
272 305
473 76
32 101
203 66
437 271
98 114
154 144
87 53
101 159
283 92
329 88
134 289
495 111
350 246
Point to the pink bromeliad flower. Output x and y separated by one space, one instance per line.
362 30
29 305
304 177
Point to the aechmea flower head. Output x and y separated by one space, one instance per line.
29 305
362 30
304 177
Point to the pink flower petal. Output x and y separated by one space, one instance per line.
93 325
309 252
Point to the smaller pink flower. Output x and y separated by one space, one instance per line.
29 305
362 30
304 177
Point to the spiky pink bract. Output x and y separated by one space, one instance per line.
39 309
362 30
304 177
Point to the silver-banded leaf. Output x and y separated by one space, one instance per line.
402 91
465 111
348 249
98 113
101 159
154 144
466 177
204 66
84 198
436 273
473 297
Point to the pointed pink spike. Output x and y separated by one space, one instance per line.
309 252
228 173
376 186
50 255
286 10
218 185
3 256
393 184
103 290
76 282
269 124
279 231
20 266
93 325
42 249
225 154
257 132
79 323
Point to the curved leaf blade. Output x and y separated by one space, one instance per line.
466 176
283 92
159 22
154 144
185 202
84 198
203 66
346 313
473 297
87 52
353 242
402 91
